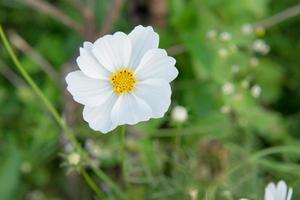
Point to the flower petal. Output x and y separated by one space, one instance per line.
99 117
129 109
156 93
290 193
142 39
281 190
113 51
86 90
89 64
157 64
270 191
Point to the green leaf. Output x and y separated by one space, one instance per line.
10 172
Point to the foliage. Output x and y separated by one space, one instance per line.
236 138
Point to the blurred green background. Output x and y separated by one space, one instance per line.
239 80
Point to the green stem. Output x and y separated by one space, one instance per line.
177 140
55 114
100 174
93 185
123 155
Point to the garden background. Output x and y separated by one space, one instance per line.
239 80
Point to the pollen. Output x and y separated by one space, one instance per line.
123 81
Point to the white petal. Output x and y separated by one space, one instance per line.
157 64
290 193
142 39
99 117
130 109
281 190
86 90
270 191
89 64
156 93
113 51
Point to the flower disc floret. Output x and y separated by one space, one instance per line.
123 81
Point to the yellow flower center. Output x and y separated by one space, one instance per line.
123 81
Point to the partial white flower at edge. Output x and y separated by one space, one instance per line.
123 79
278 192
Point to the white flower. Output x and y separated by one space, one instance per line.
225 36
260 46
278 192
247 29
179 114
228 88
256 91
123 79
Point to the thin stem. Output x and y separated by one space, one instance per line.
93 185
36 89
123 154
177 140
280 17
55 114
100 174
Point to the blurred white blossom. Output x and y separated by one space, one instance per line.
225 109
179 114
260 46
247 29
225 36
92 147
278 192
193 194
256 91
228 88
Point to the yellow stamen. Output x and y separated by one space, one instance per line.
123 81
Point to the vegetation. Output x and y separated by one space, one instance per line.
239 81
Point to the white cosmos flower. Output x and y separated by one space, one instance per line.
123 79
278 192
